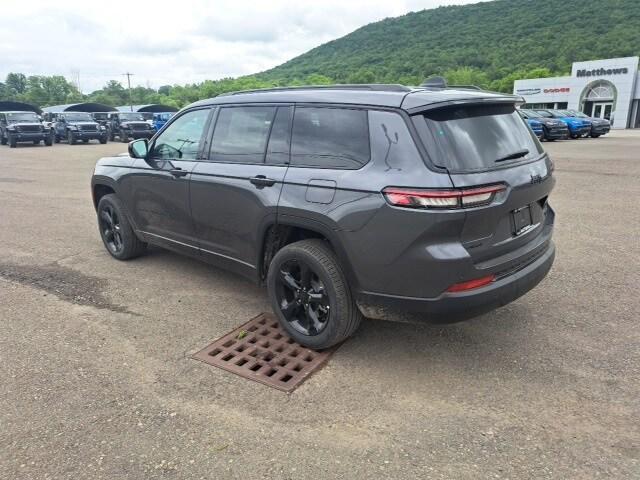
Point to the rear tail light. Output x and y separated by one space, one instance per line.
471 284
457 198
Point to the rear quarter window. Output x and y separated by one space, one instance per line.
328 137
468 138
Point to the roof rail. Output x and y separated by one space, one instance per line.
377 87
465 87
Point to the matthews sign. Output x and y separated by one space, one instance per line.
599 72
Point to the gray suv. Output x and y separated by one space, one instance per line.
380 201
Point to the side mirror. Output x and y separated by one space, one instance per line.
139 148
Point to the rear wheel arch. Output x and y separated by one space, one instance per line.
277 235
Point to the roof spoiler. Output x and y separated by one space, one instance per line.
441 83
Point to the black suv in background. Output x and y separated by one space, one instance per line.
16 127
74 127
553 128
129 125
381 201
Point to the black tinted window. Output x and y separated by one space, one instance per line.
330 138
181 139
467 138
241 134
279 141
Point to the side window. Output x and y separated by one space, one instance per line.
280 139
330 138
241 133
181 139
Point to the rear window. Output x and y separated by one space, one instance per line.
479 137
330 138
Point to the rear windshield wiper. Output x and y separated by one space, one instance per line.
514 155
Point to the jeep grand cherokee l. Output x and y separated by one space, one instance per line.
380 201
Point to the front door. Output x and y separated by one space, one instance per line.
235 190
157 189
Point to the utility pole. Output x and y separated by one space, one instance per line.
129 75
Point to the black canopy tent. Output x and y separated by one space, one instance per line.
151 108
80 107
18 107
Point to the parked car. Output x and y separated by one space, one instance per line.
578 127
101 118
129 125
599 126
535 125
74 127
160 119
552 129
380 201
18 127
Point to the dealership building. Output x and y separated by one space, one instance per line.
600 88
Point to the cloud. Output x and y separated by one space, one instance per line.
186 42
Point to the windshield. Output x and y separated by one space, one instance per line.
475 137
100 116
131 117
532 114
77 117
576 113
566 113
22 117
544 113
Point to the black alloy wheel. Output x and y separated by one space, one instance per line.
302 297
111 229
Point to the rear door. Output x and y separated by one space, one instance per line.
235 189
484 145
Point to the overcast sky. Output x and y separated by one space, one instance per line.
184 41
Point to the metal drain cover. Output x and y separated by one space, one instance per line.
260 350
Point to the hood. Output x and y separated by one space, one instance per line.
20 124
70 122
552 122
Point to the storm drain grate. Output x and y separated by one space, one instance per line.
260 350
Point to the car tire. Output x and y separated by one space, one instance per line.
71 137
56 138
112 136
48 140
322 303
36 142
594 136
124 138
116 231
3 139
103 139
13 141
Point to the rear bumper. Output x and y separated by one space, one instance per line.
455 307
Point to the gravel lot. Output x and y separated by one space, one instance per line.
96 382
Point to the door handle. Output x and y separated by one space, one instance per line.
262 181
178 172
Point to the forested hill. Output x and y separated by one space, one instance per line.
485 42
